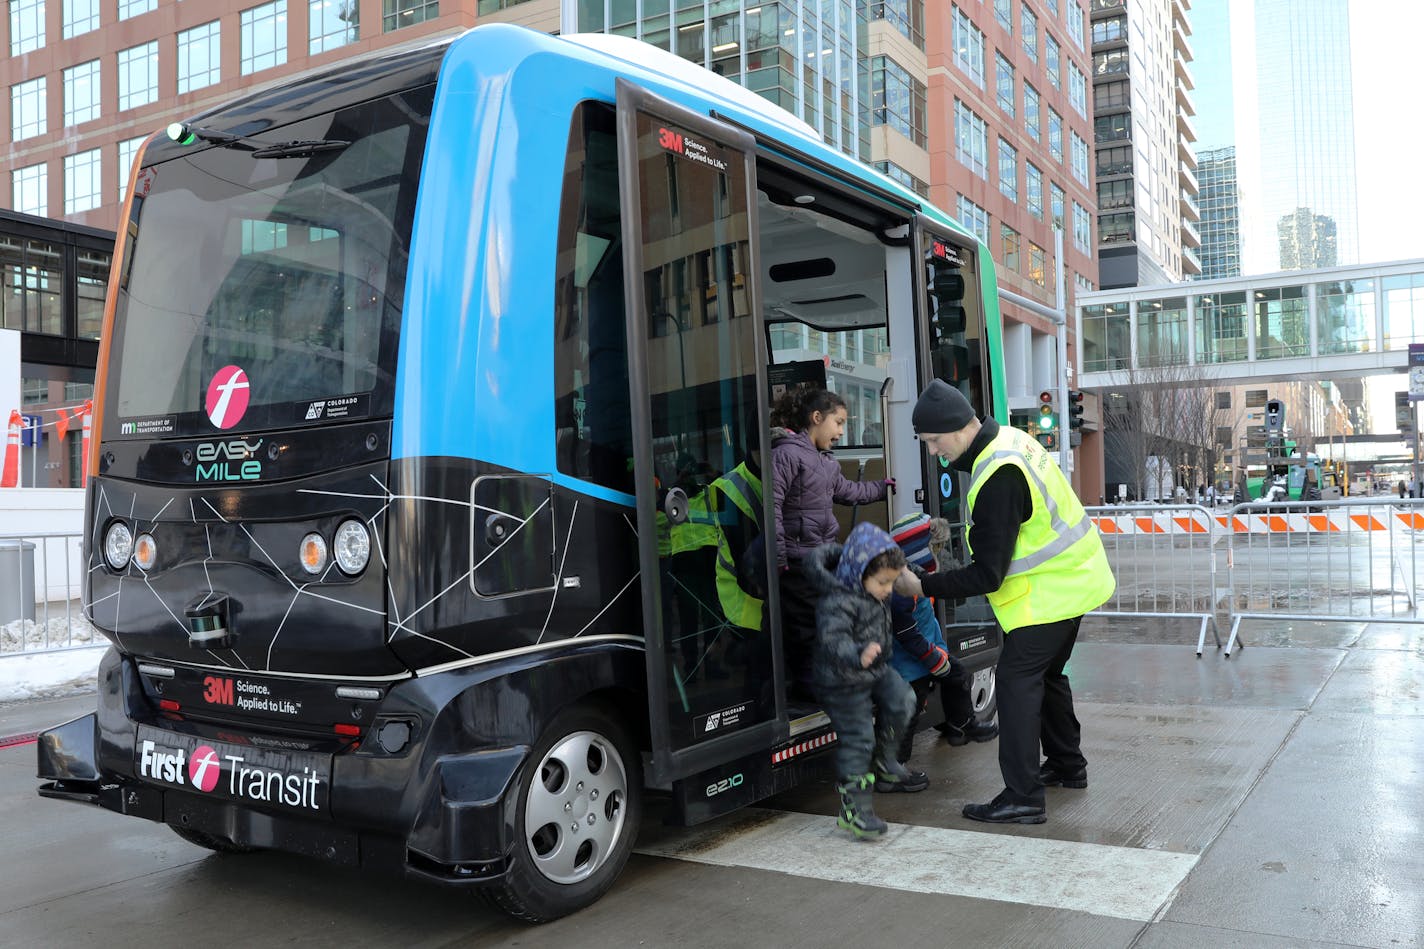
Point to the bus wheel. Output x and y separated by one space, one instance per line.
983 695
210 841
580 800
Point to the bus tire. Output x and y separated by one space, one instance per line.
584 772
210 841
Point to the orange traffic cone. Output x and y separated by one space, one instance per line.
11 476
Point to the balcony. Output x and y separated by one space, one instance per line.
1184 100
1185 152
1188 178
1101 8
1183 73
1191 237
1180 32
1191 263
1190 208
1186 126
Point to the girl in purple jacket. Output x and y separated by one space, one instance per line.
806 481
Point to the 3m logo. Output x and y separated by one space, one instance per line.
314 410
670 140
713 721
217 690
128 428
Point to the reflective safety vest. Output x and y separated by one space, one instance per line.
1059 569
707 517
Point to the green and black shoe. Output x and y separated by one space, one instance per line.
892 776
857 815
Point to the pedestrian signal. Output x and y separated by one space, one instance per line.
1048 440
1275 416
946 297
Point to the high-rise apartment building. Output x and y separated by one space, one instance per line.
1295 131
88 81
1146 167
1220 202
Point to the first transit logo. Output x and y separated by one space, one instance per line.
227 396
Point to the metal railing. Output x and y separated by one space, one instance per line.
1165 558
41 583
1331 561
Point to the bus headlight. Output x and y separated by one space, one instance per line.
145 552
353 547
118 545
313 554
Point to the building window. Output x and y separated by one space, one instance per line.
27 109
398 13
1077 90
1112 30
1004 13
1079 155
895 173
971 137
1106 339
132 8
1037 264
264 37
1009 242
1075 24
1113 128
81 181
29 190
968 47
907 16
1052 7
1115 161
27 26
138 75
1008 171
1029 28
1110 62
1050 57
127 149
199 57
1117 228
1055 135
897 100
334 23
1056 199
1033 183
1115 194
1282 323
1004 83
81 93
80 16
30 293
1112 95
1031 118
975 218
1082 228
1221 327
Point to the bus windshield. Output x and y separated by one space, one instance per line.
266 291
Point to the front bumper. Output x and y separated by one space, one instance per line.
436 809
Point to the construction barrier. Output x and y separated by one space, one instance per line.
1356 559
1165 558
1292 517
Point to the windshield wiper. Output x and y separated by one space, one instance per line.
185 134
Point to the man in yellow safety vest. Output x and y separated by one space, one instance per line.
1039 560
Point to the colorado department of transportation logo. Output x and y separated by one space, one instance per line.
203 767
227 396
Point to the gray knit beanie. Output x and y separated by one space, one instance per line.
941 408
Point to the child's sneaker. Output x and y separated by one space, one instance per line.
891 776
857 815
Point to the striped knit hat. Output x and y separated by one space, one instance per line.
912 533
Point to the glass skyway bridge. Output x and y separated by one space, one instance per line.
1318 324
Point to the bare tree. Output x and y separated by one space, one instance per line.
1166 413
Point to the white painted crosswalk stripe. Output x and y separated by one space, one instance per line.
1122 882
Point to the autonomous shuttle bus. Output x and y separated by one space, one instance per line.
425 508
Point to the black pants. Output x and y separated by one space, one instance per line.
954 699
1036 707
798 624
869 720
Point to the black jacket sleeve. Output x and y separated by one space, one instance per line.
1000 508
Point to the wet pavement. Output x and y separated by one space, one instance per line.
1275 799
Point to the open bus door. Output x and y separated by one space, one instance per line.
697 374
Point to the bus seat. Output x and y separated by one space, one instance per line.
877 512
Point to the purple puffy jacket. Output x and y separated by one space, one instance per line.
805 483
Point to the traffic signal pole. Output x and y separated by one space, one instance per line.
1059 317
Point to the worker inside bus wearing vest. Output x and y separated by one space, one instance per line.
1038 558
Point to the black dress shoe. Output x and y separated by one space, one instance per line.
1050 776
1000 811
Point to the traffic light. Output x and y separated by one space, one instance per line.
1048 440
1275 416
1047 417
1075 409
946 297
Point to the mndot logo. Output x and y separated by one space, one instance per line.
204 768
227 396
